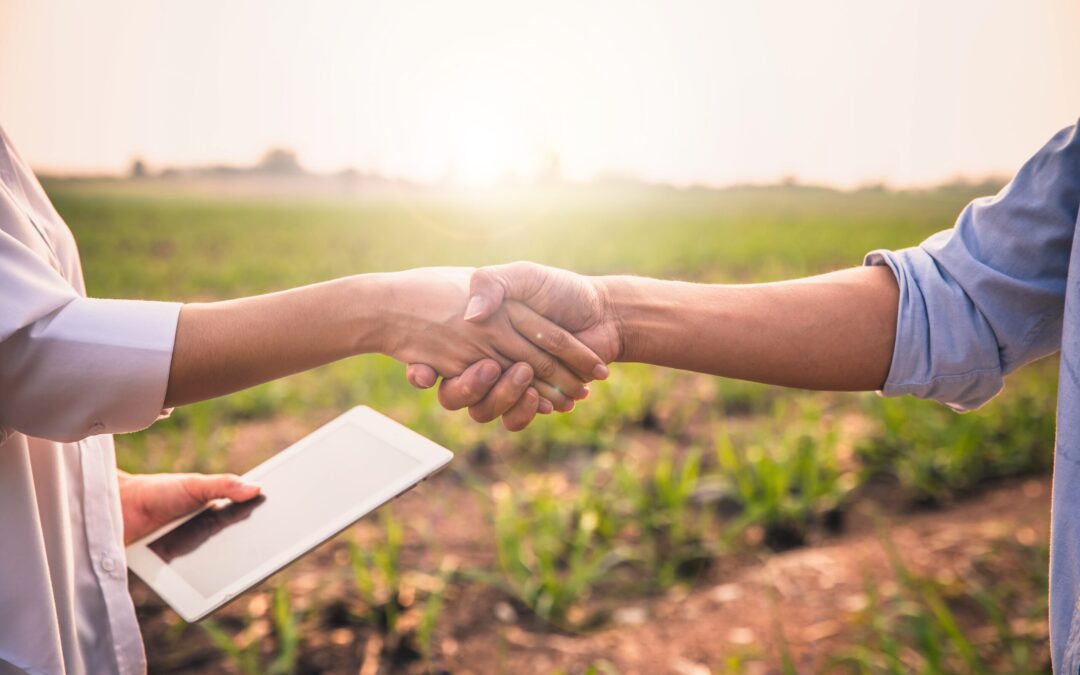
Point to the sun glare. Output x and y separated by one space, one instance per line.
480 157
485 142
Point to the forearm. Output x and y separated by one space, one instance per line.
835 331
222 347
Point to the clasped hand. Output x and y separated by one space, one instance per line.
527 341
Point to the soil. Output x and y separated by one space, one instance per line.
738 608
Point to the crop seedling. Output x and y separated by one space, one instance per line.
936 454
554 544
404 605
244 648
662 504
930 626
783 486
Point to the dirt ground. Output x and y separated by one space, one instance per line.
739 609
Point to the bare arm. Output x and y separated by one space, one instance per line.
412 316
222 347
834 331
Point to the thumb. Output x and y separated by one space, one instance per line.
489 286
486 293
227 485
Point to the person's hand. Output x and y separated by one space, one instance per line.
488 392
577 303
425 317
149 501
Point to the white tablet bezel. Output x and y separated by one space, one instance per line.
193 605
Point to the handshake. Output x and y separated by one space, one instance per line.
518 340
521 339
509 341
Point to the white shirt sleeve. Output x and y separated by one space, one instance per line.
72 367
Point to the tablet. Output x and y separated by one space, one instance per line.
311 491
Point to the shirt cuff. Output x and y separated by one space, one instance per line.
97 366
935 364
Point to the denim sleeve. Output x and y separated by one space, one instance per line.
987 296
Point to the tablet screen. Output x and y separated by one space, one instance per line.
299 495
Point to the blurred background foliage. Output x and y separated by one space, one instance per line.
657 480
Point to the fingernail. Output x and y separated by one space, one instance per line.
601 372
477 305
424 379
545 407
522 375
489 372
585 391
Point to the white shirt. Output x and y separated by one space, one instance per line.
72 371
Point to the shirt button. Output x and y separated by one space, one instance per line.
108 564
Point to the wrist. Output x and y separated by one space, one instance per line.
370 298
617 300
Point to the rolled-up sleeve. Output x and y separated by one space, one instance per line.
987 296
72 367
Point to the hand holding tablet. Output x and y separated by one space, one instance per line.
311 491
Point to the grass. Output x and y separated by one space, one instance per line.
653 478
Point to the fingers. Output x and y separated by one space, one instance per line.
505 395
522 413
205 488
546 368
421 376
557 341
489 286
471 386
558 400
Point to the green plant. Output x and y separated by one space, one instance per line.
784 485
244 655
376 570
936 454
429 619
927 625
555 543
404 605
244 649
670 524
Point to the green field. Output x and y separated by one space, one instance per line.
656 484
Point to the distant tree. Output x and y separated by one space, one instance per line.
279 161
138 168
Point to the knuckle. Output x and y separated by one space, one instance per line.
545 368
557 340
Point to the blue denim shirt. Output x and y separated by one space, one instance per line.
998 290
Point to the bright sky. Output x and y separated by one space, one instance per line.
842 92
